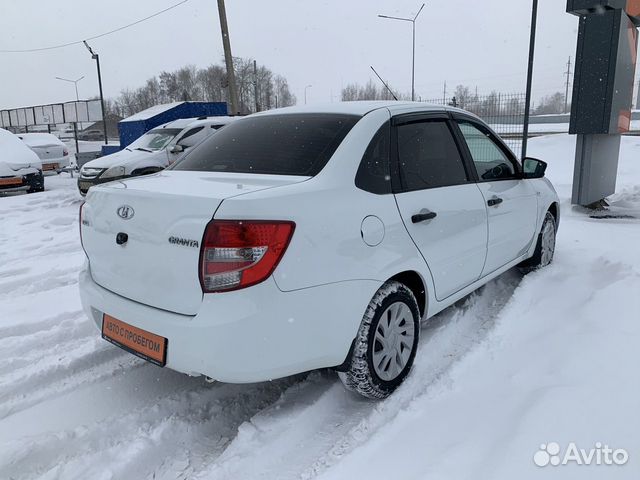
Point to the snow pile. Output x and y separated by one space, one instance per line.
549 358
14 154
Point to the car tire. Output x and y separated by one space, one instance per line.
545 248
376 368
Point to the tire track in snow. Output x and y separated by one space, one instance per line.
88 362
318 425
29 344
28 332
37 283
190 428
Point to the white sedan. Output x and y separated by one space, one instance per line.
307 238
53 154
20 168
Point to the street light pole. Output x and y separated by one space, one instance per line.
305 93
532 50
75 82
75 124
413 63
96 57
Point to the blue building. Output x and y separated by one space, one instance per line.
137 125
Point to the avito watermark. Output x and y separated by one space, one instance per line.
601 454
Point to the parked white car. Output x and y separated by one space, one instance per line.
53 154
151 153
307 238
20 167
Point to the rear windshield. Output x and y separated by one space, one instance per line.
293 144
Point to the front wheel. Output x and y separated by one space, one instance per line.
386 344
545 248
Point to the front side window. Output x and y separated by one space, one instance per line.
190 138
155 139
287 144
490 160
429 156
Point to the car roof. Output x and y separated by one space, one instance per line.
361 108
183 123
37 139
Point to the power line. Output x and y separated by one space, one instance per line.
63 45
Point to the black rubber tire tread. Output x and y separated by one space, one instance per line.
360 376
535 262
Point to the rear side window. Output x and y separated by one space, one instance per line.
374 175
294 144
428 156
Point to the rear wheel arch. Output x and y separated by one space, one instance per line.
414 282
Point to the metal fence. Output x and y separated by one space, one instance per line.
21 119
503 112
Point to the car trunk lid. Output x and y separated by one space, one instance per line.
142 236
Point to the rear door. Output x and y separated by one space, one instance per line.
440 204
511 202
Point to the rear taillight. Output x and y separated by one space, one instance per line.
65 153
238 254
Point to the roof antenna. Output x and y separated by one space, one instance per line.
385 84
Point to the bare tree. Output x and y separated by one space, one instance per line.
281 93
370 91
209 84
551 104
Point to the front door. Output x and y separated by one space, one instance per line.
512 203
441 207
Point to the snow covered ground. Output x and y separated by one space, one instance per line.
552 357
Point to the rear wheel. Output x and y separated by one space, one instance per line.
545 248
386 344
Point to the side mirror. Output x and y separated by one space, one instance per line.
177 149
533 168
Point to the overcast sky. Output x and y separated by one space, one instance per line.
323 43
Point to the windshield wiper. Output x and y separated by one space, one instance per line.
144 149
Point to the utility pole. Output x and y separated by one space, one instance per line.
413 64
96 57
228 58
444 94
305 93
532 50
255 85
566 95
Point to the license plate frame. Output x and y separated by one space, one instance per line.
139 342
12 181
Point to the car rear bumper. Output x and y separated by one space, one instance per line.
28 182
55 164
251 335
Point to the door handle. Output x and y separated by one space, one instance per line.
495 201
423 216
